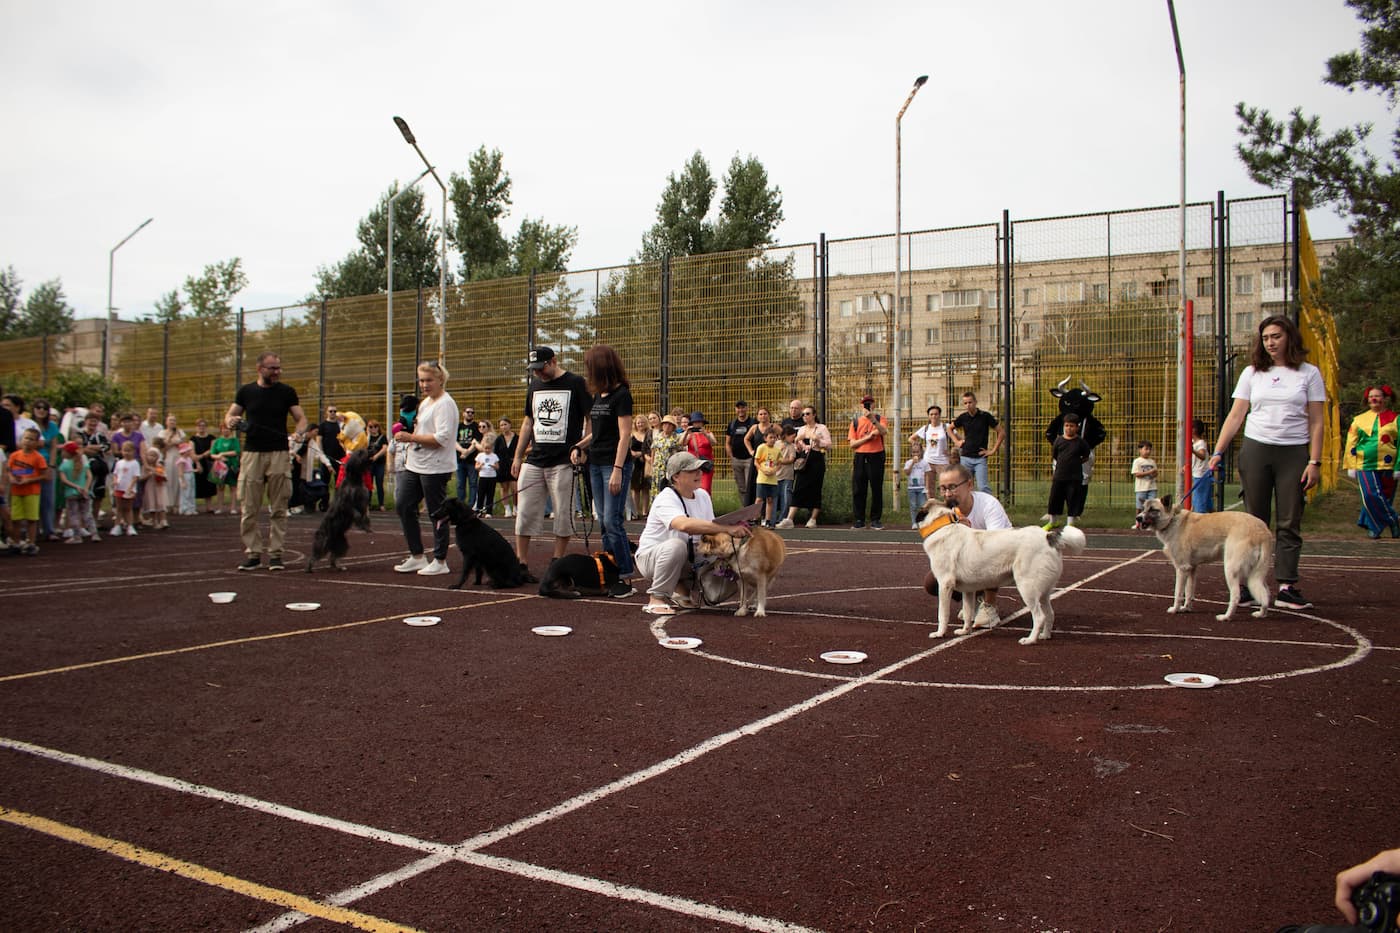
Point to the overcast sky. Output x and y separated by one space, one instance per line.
264 131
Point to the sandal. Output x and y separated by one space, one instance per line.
684 602
658 609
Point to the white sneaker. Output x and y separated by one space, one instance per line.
434 568
131 531
67 533
785 523
411 565
987 616
811 523
116 531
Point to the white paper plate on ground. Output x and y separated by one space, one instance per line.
551 630
844 657
421 621
222 597
680 643
303 607
1192 681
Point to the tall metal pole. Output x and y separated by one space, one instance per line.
898 286
1183 417
111 310
389 329
442 242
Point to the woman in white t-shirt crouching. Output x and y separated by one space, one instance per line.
1281 457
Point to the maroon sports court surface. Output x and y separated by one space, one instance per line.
167 763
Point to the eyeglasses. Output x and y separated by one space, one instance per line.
947 489
805 413
468 412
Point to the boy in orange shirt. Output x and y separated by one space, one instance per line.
28 472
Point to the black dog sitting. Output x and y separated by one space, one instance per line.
349 508
482 548
576 575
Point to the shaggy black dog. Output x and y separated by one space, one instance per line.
349 508
482 548
575 575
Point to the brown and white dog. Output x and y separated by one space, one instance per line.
970 560
755 559
1193 538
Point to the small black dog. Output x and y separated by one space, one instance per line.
576 575
349 508
482 548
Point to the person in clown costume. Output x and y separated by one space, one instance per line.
352 437
1370 453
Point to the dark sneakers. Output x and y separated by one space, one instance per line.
1247 601
250 563
275 563
1290 597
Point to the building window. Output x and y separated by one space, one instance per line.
1065 291
993 300
1128 291
965 331
848 307
1244 285
871 335
931 335
1030 330
1168 288
1244 322
962 298
1205 286
1028 296
1101 293
906 305
873 303
1275 278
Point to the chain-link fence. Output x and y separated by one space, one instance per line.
1005 310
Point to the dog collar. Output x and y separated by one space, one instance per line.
602 575
939 523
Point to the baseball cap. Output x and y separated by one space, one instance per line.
539 357
683 461
71 447
741 404
867 400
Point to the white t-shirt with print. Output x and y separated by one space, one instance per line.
1278 402
666 508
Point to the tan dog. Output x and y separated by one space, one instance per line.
968 560
754 559
1191 539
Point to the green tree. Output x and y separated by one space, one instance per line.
46 311
748 213
541 247
169 307
9 302
751 209
1360 285
365 271
211 293
480 200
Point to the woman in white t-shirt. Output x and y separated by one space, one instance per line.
430 462
1281 457
934 437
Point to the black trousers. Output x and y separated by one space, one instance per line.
868 469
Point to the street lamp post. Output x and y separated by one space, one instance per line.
389 329
442 241
898 299
1183 417
111 310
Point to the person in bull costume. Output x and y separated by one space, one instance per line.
1080 401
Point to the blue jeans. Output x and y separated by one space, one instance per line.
1203 494
784 500
978 466
610 507
47 504
918 496
466 481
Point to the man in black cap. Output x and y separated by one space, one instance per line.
740 454
552 441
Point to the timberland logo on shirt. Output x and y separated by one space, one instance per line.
549 413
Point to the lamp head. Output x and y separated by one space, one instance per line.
918 82
407 133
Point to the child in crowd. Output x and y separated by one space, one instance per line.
1144 475
787 453
916 468
187 468
1070 452
75 482
487 464
767 461
126 475
1202 477
153 501
28 472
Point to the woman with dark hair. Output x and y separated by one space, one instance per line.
1370 454
1283 398
609 463
813 442
204 487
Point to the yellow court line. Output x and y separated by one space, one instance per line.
153 859
245 641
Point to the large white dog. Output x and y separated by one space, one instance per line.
968 560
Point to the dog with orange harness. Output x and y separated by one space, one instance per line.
574 576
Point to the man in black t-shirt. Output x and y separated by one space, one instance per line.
468 434
740 455
330 440
265 464
974 428
552 441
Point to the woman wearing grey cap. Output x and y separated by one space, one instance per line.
665 552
